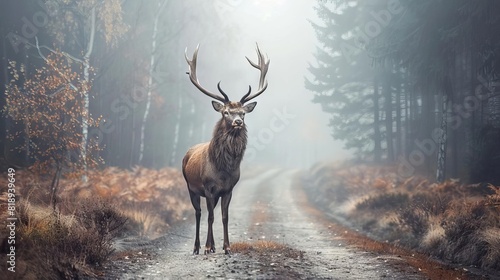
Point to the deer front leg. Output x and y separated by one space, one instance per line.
226 199
195 200
210 244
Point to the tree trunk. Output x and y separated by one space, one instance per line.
54 186
131 145
441 159
398 107
410 113
86 77
154 38
176 133
377 150
388 118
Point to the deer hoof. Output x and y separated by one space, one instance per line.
209 250
196 251
227 251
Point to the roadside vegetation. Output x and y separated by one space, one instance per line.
77 237
452 221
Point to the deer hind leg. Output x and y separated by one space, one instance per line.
195 200
226 199
210 244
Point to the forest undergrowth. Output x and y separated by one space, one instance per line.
79 236
451 221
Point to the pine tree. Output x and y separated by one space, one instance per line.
341 81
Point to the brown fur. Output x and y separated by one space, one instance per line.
212 169
217 160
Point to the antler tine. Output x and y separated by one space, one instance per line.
194 79
263 66
246 95
222 92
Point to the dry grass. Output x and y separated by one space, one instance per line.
151 199
454 221
265 247
51 245
492 237
431 269
77 238
434 237
273 259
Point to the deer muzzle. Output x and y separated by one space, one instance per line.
237 123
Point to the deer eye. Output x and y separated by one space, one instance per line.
226 113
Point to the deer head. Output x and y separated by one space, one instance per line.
233 113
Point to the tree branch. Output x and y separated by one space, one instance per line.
38 47
92 34
55 68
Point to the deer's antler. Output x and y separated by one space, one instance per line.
263 66
194 79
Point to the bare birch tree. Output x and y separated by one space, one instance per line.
152 65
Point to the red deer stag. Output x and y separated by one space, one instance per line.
212 169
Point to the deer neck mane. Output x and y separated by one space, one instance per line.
227 146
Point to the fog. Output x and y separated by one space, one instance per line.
368 81
286 128
283 31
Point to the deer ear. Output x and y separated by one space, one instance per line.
249 107
217 106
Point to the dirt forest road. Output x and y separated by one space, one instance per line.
265 207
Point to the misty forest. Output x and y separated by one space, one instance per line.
368 149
